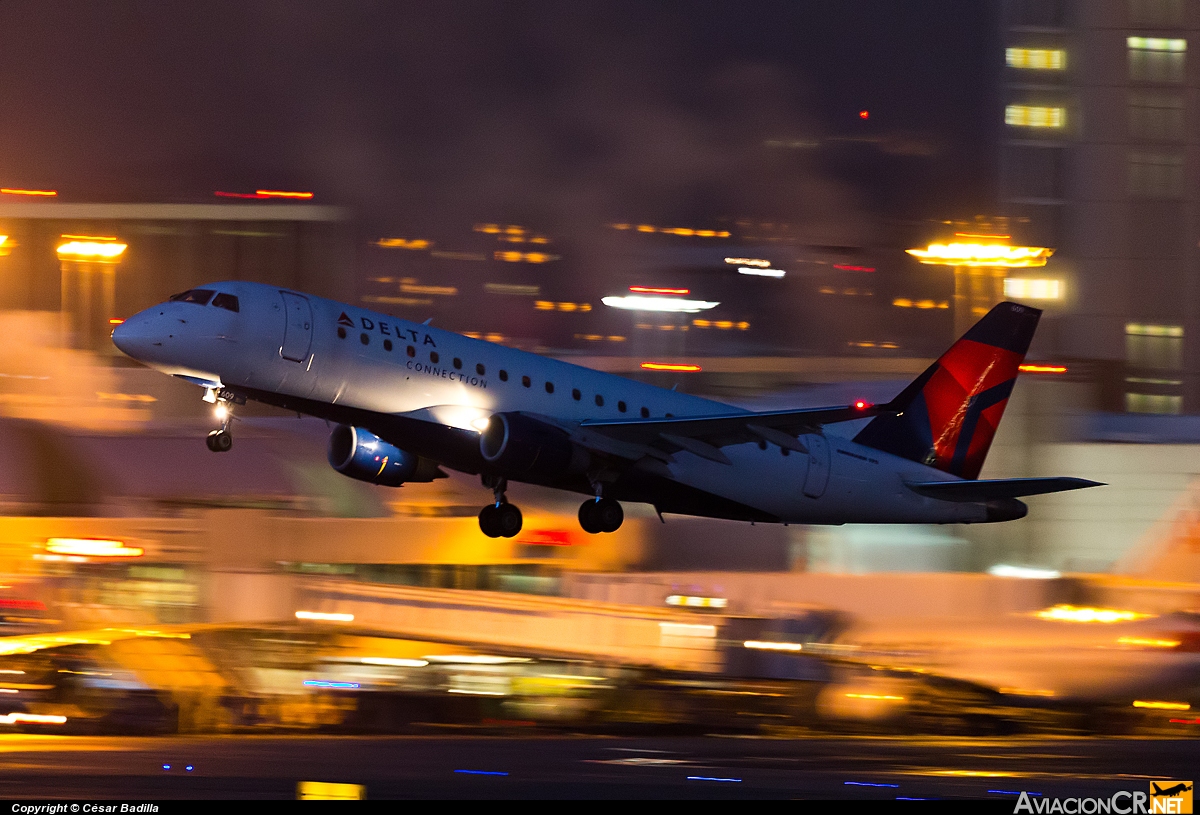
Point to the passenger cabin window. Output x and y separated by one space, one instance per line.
198 296
503 376
645 413
226 301
479 369
575 394
457 364
433 356
387 345
599 400
549 387
341 333
526 381
412 352
364 339
621 406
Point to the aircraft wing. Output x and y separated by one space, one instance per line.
705 435
990 489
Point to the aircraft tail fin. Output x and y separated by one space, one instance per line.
946 418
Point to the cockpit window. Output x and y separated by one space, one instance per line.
198 296
226 301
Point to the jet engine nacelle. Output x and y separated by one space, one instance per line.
520 446
356 453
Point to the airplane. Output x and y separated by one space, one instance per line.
1170 792
409 398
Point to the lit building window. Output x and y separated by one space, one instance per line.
1027 289
1035 116
1036 59
1156 59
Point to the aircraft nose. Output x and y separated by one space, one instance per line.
136 336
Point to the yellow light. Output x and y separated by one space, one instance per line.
323 616
91 547
666 366
764 645
1037 59
1032 368
327 791
45 193
1035 116
1148 642
282 194
981 254
91 250
442 291
1162 705
1143 330
403 243
1155 44
31 718
1028 289
524 257
875 696
1082 614
696 602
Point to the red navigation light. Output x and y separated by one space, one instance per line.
861 405
667 366
656 290
223 194
864 114
115 321
1033 368
845 267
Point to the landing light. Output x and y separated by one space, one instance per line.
1026 572
221 411
91 250
323 616
1079 614
1162 705
982 254
481 424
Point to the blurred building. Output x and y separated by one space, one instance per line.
98 262
1100 154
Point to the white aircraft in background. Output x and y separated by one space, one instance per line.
409 398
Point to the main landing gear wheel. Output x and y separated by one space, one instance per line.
600 515
219 441
500 520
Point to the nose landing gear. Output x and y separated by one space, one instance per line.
500 519
221 440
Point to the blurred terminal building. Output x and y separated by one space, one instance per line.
1096 223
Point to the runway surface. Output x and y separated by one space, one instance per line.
132 769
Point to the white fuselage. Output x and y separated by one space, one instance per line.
292 345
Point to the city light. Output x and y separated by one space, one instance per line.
524 257
760 272
646 303
673 230
1035 368
1035 116
91 547
669 366
322 616
82 247
1023 572
844 267
283 194
748 262
1082 614
1028 289
1162 705
43 193
1036 59
982 254
1148 642
404 243
653 290
766 645
1155 44
687 601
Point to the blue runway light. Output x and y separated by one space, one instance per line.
166 766
189 768
867 784
321 683
710 778
1012 792
480 772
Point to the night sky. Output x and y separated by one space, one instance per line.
550 113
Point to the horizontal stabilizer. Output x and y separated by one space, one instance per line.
972 491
